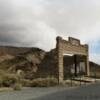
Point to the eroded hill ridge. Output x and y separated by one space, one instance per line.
30 61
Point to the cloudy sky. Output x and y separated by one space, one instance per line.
38 22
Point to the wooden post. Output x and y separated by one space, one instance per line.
87 66
75 61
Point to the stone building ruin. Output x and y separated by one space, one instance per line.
78 53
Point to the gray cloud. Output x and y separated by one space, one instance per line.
38 22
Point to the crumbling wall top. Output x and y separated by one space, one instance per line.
71 41
74 41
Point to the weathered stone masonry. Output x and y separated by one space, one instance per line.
72 46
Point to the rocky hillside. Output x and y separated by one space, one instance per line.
13 59
95 69
31 62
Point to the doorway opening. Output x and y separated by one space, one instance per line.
73 65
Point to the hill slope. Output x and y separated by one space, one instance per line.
33 62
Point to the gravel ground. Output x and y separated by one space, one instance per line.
30 93
90 92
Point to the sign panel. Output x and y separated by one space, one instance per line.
74 41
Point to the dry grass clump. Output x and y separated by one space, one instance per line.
40 82
13 81
17 86
7 79
44 82
3 89
25 83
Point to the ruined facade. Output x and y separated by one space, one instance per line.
72 46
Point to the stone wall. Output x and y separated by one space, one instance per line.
72 46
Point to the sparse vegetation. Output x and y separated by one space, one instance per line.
40 82
44 82
26 83
13 81
7 79
3 89
17 86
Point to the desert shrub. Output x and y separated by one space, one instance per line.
26 83
17 86
2 72
1 81
44 82
1 77
9 80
